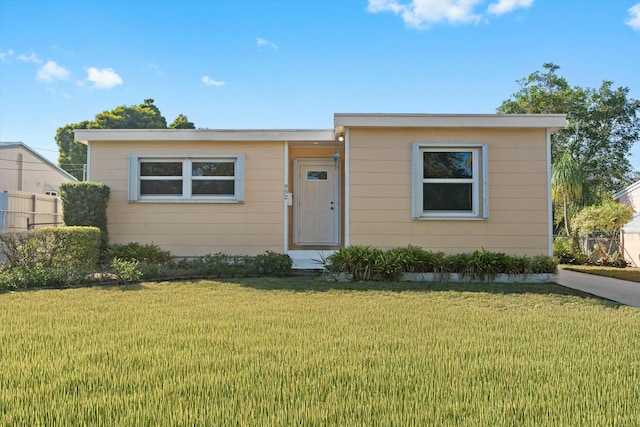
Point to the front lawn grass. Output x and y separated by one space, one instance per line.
630 274
298 352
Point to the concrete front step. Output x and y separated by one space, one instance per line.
309 259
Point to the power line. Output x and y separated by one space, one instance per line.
39 163
40 170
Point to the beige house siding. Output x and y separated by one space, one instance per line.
380 193
196 229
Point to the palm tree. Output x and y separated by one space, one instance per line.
567 185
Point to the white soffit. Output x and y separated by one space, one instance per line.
546 121
86 135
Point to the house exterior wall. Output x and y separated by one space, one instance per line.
380 192
631 197
631 248
196 229
22 171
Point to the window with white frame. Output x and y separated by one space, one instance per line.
188 178
450 181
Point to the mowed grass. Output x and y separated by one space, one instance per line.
291 352
630 274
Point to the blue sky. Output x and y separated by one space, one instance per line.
291 64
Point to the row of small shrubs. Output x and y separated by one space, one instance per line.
50 256
69 256
135 261
368 263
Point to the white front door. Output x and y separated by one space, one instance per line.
316 200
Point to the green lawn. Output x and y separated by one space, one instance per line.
630 274
295 351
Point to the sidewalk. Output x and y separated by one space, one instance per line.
622 291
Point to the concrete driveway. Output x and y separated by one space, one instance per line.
622 291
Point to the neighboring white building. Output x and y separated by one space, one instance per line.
630 234
29 188
23 169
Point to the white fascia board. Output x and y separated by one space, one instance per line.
86 135
626 190
545 121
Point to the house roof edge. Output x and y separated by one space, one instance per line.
86 135
39 156
549 121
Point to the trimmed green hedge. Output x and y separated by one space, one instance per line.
222 265
85 204
50 256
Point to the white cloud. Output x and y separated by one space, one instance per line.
505 6
52 71
265 42
5 55
105 78
210 82
423 13
634 17
30 58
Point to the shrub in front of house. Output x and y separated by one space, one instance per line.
50 256
85 204
368 263
143 253
222 265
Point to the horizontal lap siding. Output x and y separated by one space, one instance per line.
195 229
381 198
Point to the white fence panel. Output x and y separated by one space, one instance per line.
22 211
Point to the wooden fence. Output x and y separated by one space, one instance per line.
24 211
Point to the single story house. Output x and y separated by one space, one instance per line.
447 182
630 233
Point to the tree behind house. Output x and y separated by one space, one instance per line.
73 155
603 125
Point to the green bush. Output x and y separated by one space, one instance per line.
85 204
542 264
52 247
50 256
126 270
272 264
414 259
223 265
34 276
143 253
565 253
356 260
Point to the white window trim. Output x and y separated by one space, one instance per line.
480 181
134 196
